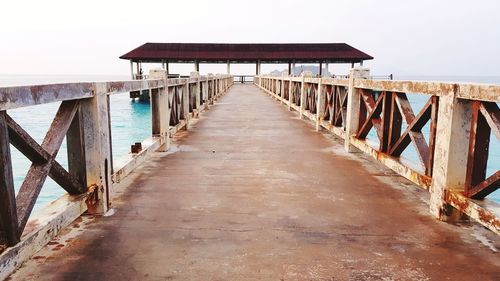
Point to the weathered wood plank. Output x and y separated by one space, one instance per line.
37 174
69 182
60 125
35 153
15 97
135 85
491 113
76 154
9 234
373 119
413 131
432 135
396 122
386 120
29 191
479 140
21 140
485 188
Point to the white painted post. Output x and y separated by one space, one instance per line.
319 105
228 68
97 146
160 112
353 105
450 154
302 95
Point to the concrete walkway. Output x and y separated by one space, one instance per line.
252 193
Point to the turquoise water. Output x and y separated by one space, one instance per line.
131 122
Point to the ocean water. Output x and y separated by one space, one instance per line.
131 122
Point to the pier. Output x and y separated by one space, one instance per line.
274 180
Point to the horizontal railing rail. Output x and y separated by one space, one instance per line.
450 134
243 78
83 118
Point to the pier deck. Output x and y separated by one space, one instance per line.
251 193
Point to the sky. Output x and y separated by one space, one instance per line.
424 37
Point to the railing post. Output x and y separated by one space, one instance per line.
75 143
205 92
282 92
450 155
353 104
97 146
185 103
290 87
212 91
319 104
160 112
302 95
197 91
9 233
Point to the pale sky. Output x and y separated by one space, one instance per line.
431 37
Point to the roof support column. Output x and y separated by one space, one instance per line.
138 65
293 68
132 69
320 69
289 68
228 67
326 70
197 66
257 68
166 68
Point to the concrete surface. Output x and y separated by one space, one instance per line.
252 193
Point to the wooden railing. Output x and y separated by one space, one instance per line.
450 133
83 118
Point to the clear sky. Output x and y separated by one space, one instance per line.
432 37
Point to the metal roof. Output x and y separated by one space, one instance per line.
206 52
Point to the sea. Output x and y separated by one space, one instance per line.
131 122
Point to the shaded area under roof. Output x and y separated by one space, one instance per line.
222 53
